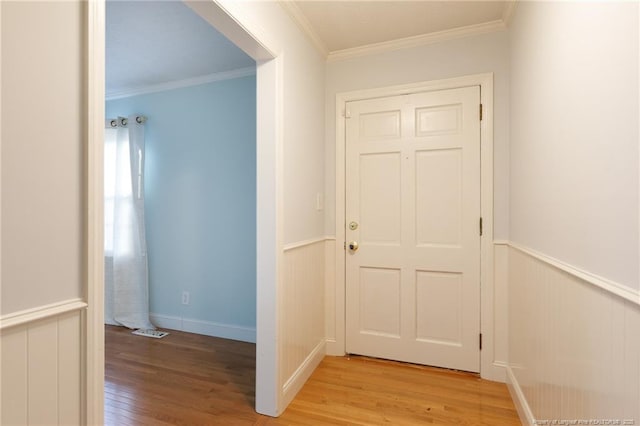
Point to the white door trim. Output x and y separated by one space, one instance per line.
269 241
93 326
488 368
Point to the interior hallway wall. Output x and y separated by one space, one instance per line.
574 290
200 176
574 135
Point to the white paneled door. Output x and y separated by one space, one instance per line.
413 232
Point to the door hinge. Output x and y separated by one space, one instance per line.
480 226
347 113
480 112
480 340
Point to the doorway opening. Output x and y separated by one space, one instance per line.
268 139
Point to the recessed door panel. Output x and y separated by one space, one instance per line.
380 301
380 125
439 197
439 307
380 198
439 120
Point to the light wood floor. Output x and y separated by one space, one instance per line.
188 379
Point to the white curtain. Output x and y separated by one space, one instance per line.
126 271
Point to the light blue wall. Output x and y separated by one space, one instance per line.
200 198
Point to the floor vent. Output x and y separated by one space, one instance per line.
156 334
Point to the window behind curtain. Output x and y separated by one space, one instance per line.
110 192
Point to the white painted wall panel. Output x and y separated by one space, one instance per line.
69 370
330 289
42 358
574 348
41 372
500 304
302 312
631 364
14 373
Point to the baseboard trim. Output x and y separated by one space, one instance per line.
495 371
166 321
519 400
299 377
206 328
41 312
500 364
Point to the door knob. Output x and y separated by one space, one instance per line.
353 245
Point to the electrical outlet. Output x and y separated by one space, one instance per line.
185 297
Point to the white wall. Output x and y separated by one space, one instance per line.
42 164
574 135
574 305
304 132
43 135
466 56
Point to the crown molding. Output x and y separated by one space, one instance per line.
305 26
290 7
507 13
177 84
416 41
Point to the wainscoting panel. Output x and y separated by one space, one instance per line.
500 309
69 374
330 289
302 315
14 371
574 347
40 367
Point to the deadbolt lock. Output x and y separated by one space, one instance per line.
353 226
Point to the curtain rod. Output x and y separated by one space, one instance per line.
113 122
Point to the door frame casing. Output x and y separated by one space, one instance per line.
489 369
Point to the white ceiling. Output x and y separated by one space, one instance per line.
154 42
348 24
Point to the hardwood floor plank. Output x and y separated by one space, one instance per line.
188 379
